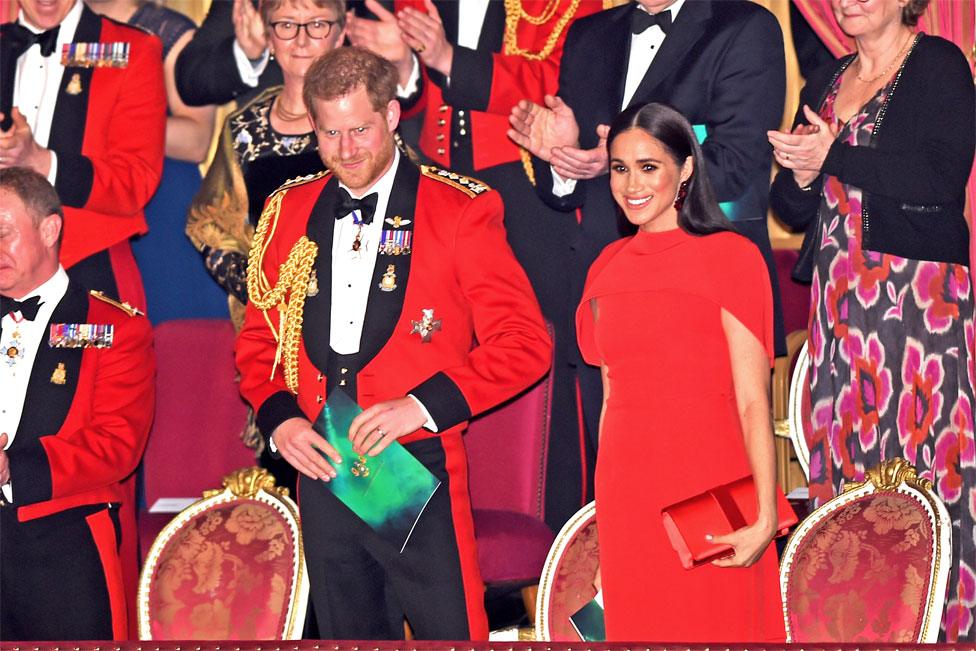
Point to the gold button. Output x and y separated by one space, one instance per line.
461 113
441 122
443 108
344 370
320 377
440 136
342 383
461 122
318 399
463 132
440 151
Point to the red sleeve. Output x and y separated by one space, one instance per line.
103 444
744 289
119 167
585 318
514 349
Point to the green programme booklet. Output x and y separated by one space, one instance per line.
588 620
388 491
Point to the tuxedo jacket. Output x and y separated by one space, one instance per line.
492 342
721 65
86 415
486 83
109 133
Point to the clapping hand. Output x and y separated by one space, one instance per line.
424 32
249 29
805 149
381 36
19 149
4 461
552 134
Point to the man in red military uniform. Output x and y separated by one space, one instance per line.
77 374
477 61
89 114
394 284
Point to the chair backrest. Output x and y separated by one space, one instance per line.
228 567
566 584
195 437
507 451
799 409
794 296
871 564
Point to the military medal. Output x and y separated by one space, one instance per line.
395 242
313 284
59 376
14 351
397 221
74 86
426 326
81 335
388 283
95 55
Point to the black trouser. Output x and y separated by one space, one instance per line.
362 587
53 583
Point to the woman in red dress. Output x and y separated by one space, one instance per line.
679 318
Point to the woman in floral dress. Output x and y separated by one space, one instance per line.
877 176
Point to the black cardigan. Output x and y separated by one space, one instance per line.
914 172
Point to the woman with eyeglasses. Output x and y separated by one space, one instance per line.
263 144
875 170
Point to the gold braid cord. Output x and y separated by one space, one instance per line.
293 279
514 13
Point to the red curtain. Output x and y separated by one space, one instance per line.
954 20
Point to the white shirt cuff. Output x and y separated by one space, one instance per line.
413 83
52 174
271 444
249 71
429 424
562 187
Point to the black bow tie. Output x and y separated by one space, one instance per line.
642 20
366 206
28 307
21 39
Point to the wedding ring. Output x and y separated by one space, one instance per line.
786 156
380 432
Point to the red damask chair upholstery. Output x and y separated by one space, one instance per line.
870 565
507 450
228 567
566 584
799 409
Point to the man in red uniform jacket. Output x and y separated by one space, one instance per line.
478 60
394 284
89 114
77 375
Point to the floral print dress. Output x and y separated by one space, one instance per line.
891 345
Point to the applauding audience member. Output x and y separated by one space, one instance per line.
875 170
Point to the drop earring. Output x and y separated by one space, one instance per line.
679 199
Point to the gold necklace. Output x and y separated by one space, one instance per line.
889 66
284 114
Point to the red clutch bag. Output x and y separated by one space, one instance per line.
718 511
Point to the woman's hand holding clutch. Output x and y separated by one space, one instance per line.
749 543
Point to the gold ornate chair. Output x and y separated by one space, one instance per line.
566 584
870 565
228 567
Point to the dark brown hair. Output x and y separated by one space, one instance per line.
341 71
700 213
912 11
268 7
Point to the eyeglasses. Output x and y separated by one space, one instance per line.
286 30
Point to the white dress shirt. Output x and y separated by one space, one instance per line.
38 81
643 48
352 271
15 372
